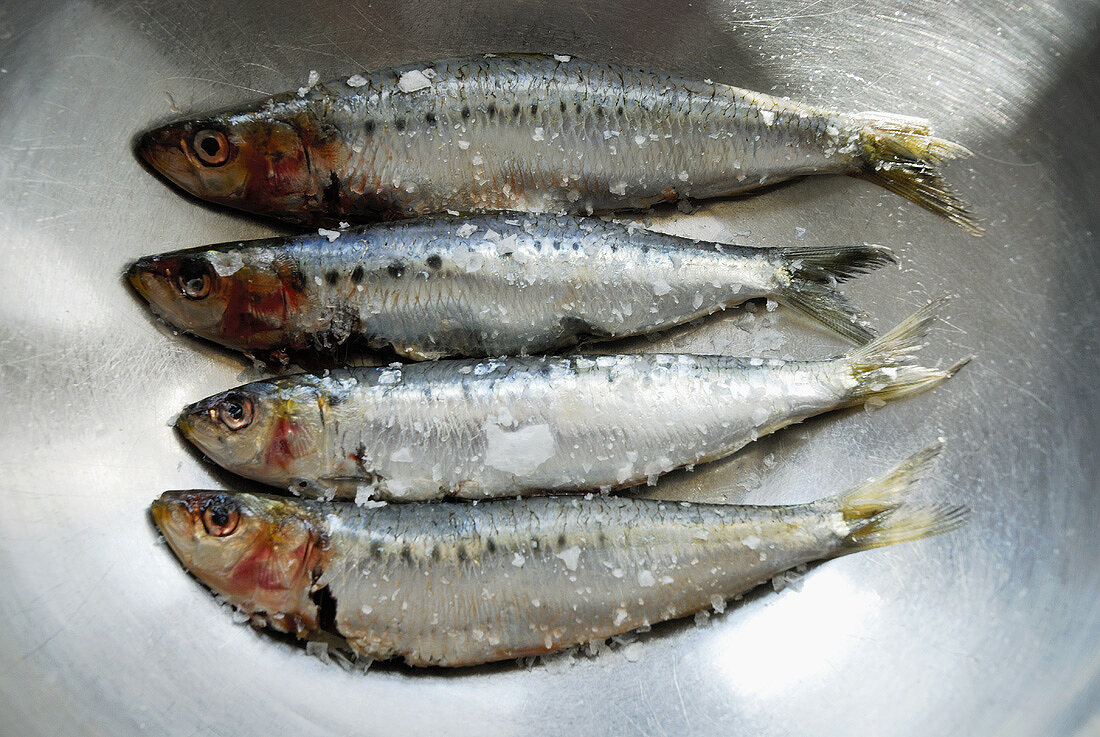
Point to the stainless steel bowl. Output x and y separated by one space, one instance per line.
991 630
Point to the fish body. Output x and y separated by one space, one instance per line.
484 286
520 426
460 584
531 133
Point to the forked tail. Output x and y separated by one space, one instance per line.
813 272
877 512
880 368
903 156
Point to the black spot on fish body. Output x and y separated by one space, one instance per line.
461 554
515 110
406 553
534 107
429 118
399 123
357 274
492 110
563 106
619 111
330 195
579 108
436 553
434 261
465 112
396 269
490 545
332 277
368 126
326 609
561 540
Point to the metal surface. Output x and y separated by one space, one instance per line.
991 630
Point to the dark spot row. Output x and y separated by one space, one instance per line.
430 118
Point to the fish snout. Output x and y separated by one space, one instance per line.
165 149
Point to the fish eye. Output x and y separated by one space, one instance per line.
220 519
212 147
235 412
195 278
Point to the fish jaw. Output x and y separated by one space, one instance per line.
175 522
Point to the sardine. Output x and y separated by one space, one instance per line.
461 584
531 133
486 286
520 426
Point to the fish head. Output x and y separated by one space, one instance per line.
262 553
255 160
270 431
239 296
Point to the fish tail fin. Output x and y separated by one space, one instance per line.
880 368
877 512
902 155
813 272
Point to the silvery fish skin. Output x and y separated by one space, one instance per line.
501 284
532 133
461 584
520 426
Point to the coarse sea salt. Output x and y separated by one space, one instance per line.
311 82
356 80
332 235
413 80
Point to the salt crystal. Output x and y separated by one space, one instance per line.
518 560
661 287
752 542
682 176
539 134
645 578
518 451
356 80
768 116
570 556
562 57
332 235
759 415
225 263
639 139
318 650
311 82
413 80
697 300
618 188
463 145
465 230
633 652
620 617
702 618
718 603
404 455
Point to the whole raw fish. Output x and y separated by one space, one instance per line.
534 133
460 584
485 286
520 426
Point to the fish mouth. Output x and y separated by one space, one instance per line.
172 516
140 274
165 151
